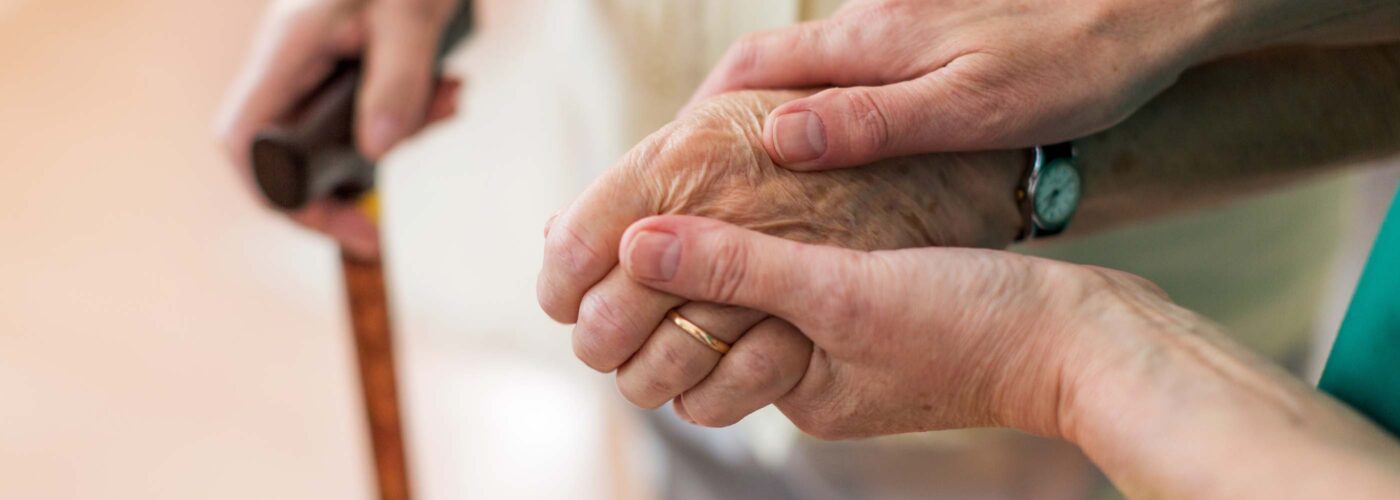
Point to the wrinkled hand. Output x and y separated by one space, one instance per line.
711 163
936 338
906 340
958 75
297 47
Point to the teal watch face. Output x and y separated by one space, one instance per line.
1057 193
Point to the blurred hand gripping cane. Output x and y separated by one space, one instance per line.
310 155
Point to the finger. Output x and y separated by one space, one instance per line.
294 53
766 363
399 65
615 319
671 361
581 244
707 260
855 126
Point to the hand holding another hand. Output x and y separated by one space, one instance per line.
952 75
905 340
919 76
711 163
939 338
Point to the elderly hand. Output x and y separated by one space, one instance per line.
958 75
296 48
936 338
905 340
711 163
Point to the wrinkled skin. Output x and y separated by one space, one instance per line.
711 163
914 76
936 338
906 340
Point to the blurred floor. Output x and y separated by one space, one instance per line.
163 337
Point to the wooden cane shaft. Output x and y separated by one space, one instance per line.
369 315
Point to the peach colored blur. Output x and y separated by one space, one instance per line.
162 337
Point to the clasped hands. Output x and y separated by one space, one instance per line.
802 274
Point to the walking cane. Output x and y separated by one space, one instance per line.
310 155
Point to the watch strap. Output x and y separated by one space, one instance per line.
1024 201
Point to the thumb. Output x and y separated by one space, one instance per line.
399 64
707 260
847 127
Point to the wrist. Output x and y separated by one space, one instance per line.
1091 332
1162 400
967 199
997 202
1070 343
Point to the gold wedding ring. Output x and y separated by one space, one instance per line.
698 333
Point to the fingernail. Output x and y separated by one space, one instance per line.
799 137
655 256
383 133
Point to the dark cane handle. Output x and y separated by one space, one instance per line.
310 154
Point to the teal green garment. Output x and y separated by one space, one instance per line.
1364 368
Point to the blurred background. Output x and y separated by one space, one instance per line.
164 336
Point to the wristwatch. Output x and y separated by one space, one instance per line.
1049 192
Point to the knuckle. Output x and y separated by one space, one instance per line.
656 391
568 251
552 301
674 366
593 351
597 314
839 302
632 392
598 335
880 12
879 20
743 59
756 371
586 349
728 270
660 373
649 386
871 121
986 103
